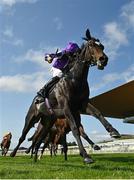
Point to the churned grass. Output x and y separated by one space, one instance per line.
106 166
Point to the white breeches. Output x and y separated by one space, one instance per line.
56 72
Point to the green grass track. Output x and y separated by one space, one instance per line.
107 166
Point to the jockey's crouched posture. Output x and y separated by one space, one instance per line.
59 63
6 135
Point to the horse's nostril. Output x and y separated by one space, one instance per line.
103 60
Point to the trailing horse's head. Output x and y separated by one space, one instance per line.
93 52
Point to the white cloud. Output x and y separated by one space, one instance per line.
13 41
6 5
8 32
35 56
114 38
18 42
26 82
128 75
58 23
10 3
30 55
8 37
110 78
128 14
23 82
117 33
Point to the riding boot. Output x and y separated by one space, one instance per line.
44 91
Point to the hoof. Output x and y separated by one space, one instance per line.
12 154
115 134
88 160
27 151
96 147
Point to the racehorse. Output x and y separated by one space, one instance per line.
5 144
69 98
57 135
53 138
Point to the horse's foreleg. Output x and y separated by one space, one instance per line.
71 119
89 109
56 141
6 150
35 139
28 125
42 151
65 148
43 148
51 149
43 135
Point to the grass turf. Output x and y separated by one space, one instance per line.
113 166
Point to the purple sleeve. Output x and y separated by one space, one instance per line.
59 63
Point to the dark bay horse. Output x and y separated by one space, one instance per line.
57 135
5 144
69 98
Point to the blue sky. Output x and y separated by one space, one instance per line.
29 28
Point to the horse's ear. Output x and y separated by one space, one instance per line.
88 35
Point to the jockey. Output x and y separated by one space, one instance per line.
6 135
59 62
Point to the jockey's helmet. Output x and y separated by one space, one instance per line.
7 133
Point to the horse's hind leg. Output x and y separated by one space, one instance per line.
29 123
85 136
89 109
72 122
27 151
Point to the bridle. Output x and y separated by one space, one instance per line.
90 45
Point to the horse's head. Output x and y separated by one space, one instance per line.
93 52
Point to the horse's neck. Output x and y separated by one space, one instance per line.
80 71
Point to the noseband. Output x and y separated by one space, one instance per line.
88 47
